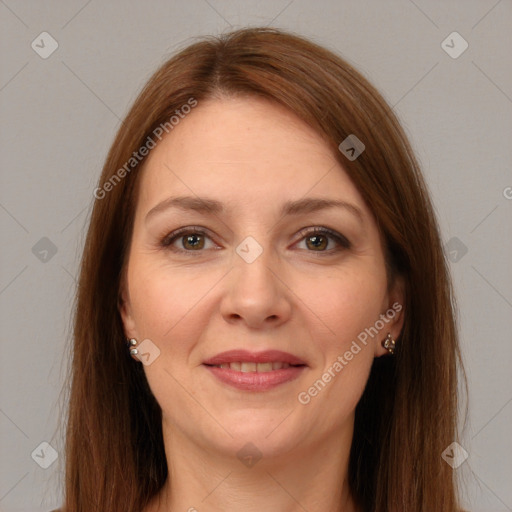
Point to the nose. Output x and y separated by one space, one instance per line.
256 294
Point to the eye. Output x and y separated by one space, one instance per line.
192 240
317 239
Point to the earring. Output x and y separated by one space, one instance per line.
131 343
389 343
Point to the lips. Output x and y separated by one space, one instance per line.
247 366
255 371
244 356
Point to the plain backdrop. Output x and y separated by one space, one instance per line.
59 116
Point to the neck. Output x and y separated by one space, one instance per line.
311 477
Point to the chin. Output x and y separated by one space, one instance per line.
271 432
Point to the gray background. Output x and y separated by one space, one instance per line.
59 116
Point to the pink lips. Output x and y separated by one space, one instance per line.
267 356
255 381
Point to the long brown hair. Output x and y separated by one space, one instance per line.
115 458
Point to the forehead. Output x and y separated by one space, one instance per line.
246 150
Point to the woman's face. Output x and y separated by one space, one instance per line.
255 278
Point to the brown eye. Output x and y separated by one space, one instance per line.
187 240
317 242
193 241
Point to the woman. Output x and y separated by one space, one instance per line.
265 319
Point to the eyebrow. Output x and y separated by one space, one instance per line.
214 207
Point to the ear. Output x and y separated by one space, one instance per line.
124 308
393 315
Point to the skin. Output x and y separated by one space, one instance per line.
253 155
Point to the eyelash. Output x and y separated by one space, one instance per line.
343 243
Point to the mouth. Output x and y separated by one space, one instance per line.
246 358
255 371
250 367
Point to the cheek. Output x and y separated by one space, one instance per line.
345 304
347 352
164 299
337 398
347 307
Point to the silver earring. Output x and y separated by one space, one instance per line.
389 343
131 343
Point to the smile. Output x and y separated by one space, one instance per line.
255 377
247 367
